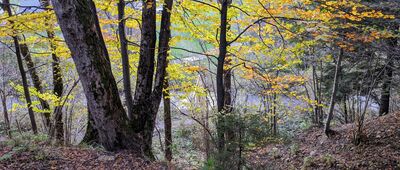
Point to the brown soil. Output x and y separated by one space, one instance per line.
379 148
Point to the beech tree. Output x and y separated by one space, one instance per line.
80 26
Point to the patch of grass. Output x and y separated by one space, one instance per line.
6 156
307 162
328 159
294 148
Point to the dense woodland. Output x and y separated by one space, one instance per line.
199 84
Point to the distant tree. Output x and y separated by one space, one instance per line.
6 7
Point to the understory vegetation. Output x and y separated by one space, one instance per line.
199 84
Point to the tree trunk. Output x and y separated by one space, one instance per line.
80 26
346 114
58 85
17 46
220 75
387 81
125 58
147 100
167 122
328 131
5 112
92 135
37 83
144 115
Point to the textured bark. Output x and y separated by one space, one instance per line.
58 85
223 45
328 131
220 74
147 100
17 46
125 58
387 81
167 122
80 26
37 83
91 136
161 82
144 113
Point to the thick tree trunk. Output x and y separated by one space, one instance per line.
58 85
387 81
80 26
167 122
144 116
328 131
125 58
147 100
91 136
17 46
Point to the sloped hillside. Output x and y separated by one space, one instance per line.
380 149
70 158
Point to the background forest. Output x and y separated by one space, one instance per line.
199 84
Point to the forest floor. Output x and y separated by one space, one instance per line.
42 157
379 149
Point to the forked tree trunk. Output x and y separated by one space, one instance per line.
328 131
17 46
80 26
144 114
147 100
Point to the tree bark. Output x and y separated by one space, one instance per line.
91 136
147 100
346 114
387 81
80 26
25 85
223 43
58 85
161 81
37 83
328 131
144 113
125 58
167 122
